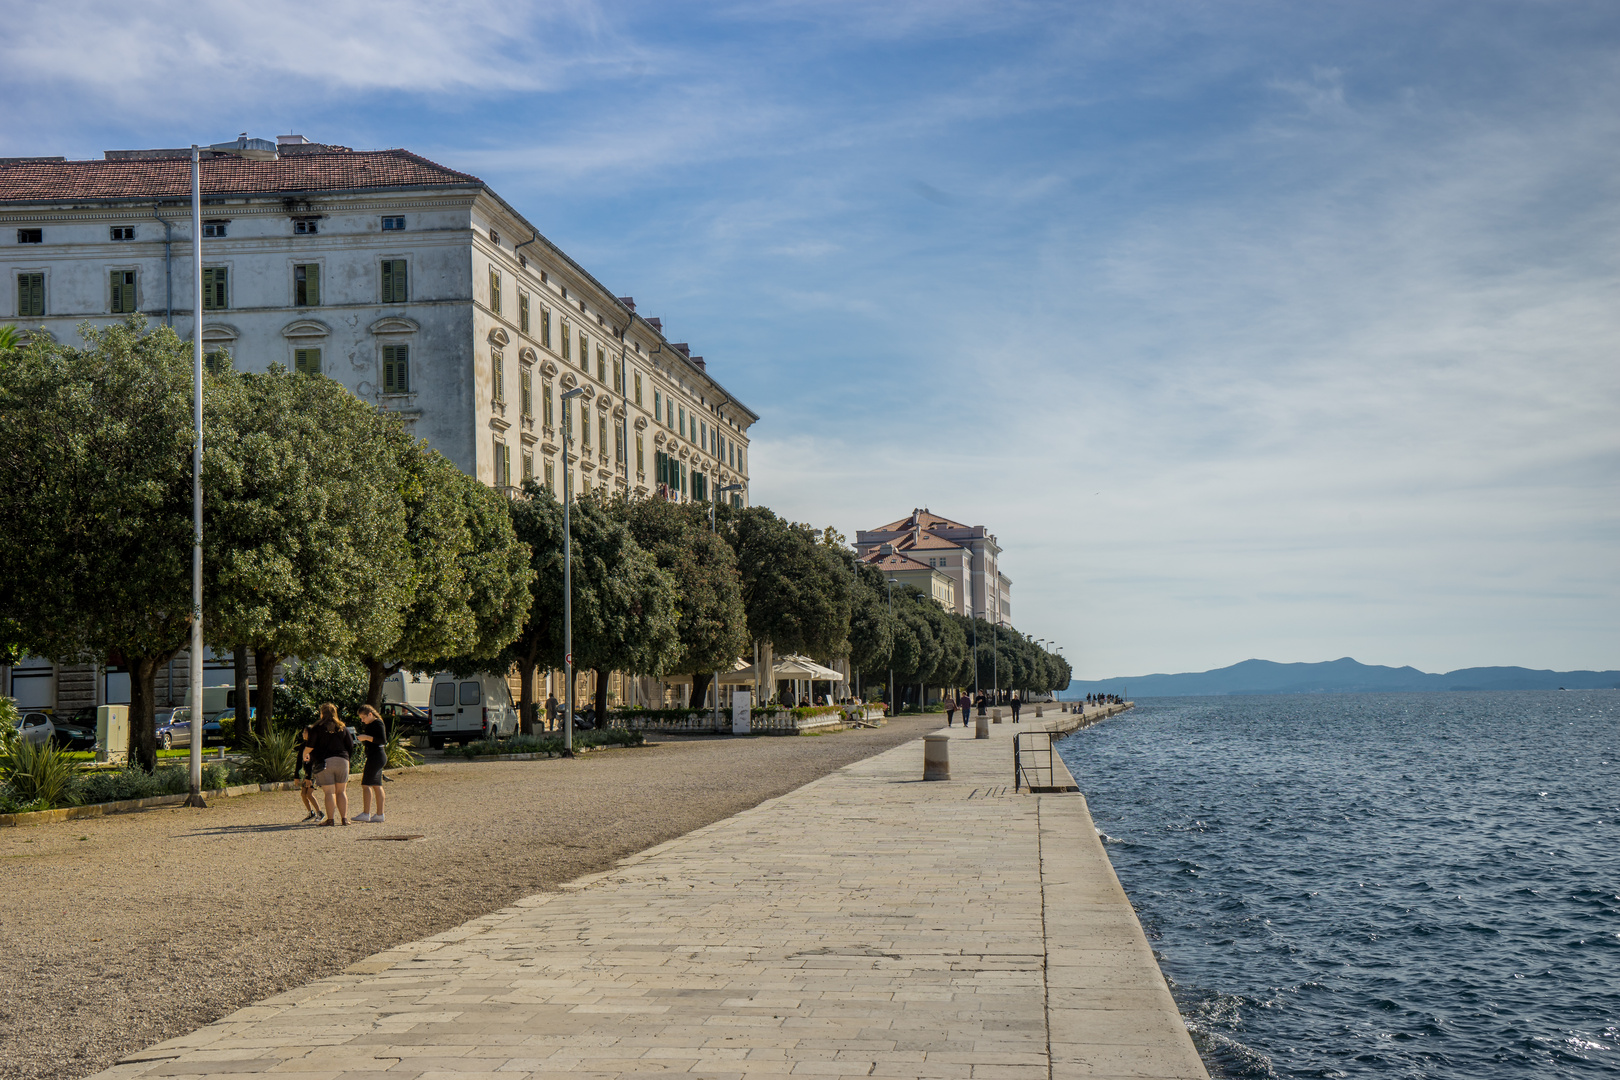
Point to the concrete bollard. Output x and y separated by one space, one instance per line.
981 727
1037 712
937 756
997 714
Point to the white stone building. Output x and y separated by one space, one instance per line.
968 556
415 286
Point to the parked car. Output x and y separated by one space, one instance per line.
467 709
405 718
229 717
176 730
35 727
72 733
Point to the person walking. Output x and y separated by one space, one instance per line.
333 745
304 772
375 737
1017 703
950 713
551 712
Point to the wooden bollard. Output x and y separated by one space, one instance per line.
936 756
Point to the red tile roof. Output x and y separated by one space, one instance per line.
49 181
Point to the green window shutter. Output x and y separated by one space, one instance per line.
396 369
545 327
495 290
307 361
602 424
393 281
584 352
545 400
506 465
523 312
527 385
584 427
123 291
312 285
567 340
498 363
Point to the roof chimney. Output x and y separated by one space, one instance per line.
682 347
657 324
698 360
629 302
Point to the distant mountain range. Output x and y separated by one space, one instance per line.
1338 677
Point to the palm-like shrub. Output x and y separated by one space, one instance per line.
272 758
41 773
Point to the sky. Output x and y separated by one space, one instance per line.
1250 329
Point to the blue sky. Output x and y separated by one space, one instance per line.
1252 329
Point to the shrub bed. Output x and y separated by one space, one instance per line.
547 744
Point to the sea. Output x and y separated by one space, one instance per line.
1374 885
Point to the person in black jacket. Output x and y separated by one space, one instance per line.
333 745
304 774
375 735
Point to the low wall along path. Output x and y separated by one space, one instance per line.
867 924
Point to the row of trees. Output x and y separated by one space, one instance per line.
329 531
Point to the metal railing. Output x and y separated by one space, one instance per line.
1033 765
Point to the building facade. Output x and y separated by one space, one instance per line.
968 555
415 286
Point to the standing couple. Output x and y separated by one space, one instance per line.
328 743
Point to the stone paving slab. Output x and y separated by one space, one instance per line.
868 924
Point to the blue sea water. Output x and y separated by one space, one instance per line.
1389 885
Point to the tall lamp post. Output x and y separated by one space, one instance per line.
568 574
893 705
253 150
719 491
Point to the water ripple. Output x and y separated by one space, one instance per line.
1421 885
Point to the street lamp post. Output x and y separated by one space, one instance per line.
568 575
253 150
719 491
893 705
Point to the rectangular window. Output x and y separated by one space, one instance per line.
658 406
528 466
618 441
123 232
584 352
30 295
602 424
638 388
503 463
567 340
307 285
307 361
601 365
551 476
618 378
306 227
683 423
526 391
214 228
393 281
523 312
545 402
30 236
396 369
498 367
703 439
494 290
393 224
216 288
123 292
584 427
641 455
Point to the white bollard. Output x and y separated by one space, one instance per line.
997 714
981 726
936 756
1037 712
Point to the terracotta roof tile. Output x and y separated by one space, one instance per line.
48 181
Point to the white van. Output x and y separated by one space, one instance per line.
466 710
408 688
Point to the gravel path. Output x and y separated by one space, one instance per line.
119 932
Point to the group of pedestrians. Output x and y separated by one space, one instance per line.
966 704
324 750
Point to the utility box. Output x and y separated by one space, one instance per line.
112 734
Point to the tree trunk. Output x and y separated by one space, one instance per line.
525 696
767 671
265 661
378 672
600 700
244 707
700 689
142 702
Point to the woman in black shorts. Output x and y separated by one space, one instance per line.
375 736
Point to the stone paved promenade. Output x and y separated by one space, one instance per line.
867 924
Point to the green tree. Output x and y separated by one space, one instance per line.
871 626
626 610
95 496
713 628
306 536
796 589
